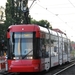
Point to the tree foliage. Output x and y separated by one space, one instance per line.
14 14
2 36
43 23
2 26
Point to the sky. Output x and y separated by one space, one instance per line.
60 14
2 3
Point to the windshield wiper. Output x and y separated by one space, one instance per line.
26 54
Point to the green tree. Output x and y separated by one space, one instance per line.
15 13
2 14
43 23
2 35
2 27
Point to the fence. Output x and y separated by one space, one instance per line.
2 63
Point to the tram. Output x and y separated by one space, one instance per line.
32 48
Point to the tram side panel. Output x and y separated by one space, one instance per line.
54 49
45 49
72 50
69 49
47 59
38 58
65 48
60 49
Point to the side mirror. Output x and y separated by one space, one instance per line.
8 34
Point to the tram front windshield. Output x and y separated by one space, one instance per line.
22 45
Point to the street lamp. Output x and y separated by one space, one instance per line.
20 6
23 6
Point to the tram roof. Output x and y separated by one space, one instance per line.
46 30
34 27
24 27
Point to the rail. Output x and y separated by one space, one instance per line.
64 69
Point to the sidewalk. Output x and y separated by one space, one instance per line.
2 71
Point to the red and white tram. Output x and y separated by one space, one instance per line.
32 48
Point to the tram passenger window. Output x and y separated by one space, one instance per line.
43 50
47 51
40 51
42 47
47 47
65 47
55 49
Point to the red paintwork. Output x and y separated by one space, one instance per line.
55 64
24 65
36 65
25 28
8 35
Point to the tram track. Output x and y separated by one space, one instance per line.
63 69
7 73
59 69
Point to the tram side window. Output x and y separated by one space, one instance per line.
47 45
65 47
54 47
43 47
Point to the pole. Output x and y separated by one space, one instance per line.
26 13
12 10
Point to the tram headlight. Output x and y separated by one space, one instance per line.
30 57
15 57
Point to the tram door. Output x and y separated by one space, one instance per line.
47 57
69 47
60 49
45 49
54 49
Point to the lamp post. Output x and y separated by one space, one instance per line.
12 11
22 6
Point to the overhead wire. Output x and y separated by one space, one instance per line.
71 3
50 12
32 4
45 8
57 15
